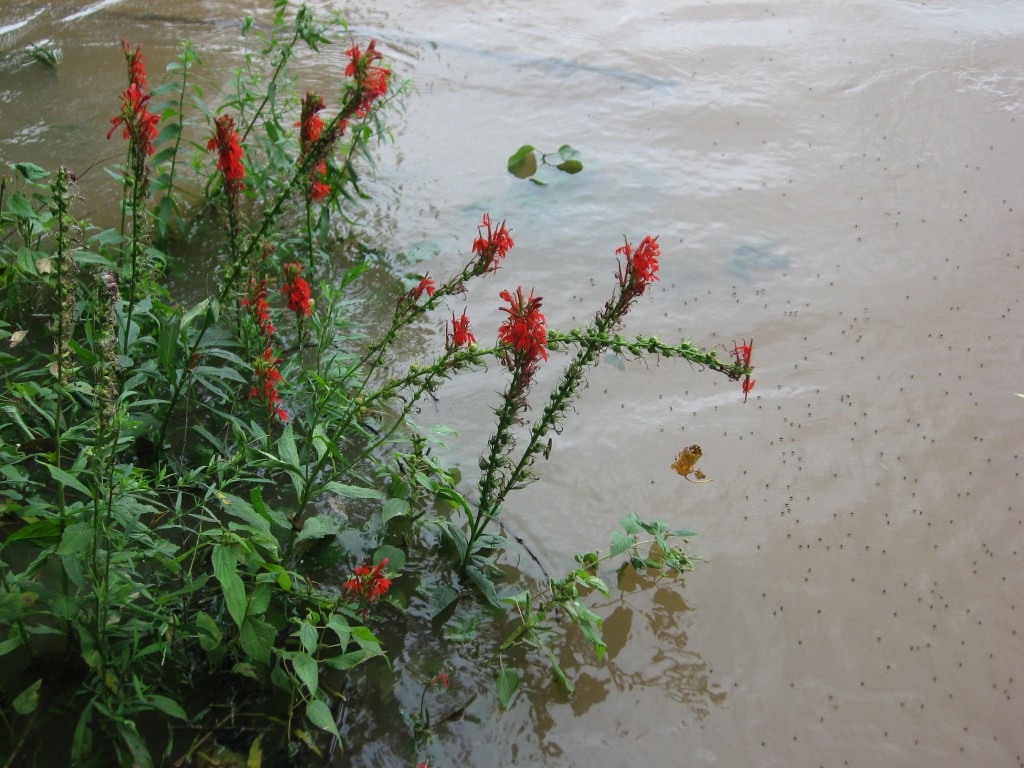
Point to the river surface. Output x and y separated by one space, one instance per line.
841 181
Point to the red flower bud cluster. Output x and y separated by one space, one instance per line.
312 126
370 79
267 378
296 289
256 303
491 248
228 146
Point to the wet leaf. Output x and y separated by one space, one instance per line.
523 164
440 599
394 556
508 687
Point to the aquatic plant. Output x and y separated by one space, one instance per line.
172 470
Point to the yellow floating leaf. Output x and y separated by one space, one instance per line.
686 461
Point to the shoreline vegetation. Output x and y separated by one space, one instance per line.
182 484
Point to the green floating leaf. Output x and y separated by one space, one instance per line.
523 164
570 166
440 599
508 687
567 152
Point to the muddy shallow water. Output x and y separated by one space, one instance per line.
839 180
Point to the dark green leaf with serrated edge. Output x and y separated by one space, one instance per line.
440 599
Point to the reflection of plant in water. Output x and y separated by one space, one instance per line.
175 473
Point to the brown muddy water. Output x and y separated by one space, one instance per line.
841 181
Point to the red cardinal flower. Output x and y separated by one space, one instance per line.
228 146
641 266
367 584
460 335
296 289
490 248
139 123
426 285
524 329
743 353
267 378
371 80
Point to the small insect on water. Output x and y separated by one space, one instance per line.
685 464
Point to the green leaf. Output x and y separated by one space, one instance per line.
508 687
440 599
394 508
320 715
307 671
566 152
25 703
620 543
523 163
560 676
570 166
394 556
19 205
290 456
320 527
484 584
208 631
66 479
463 631
354 491
135 743
225 568
632 523
255 758
10 644
257 639
168 706
31 171
308 636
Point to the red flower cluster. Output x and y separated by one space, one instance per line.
492 247
426 285
229 154
136 67
139 123
641 266
267 378
524 329
460 335
312 126
256 303
368 583
296 289
441 679
743 353
371 80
